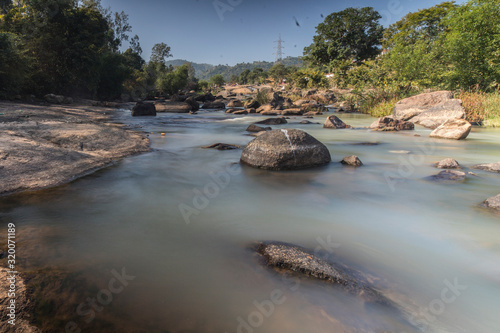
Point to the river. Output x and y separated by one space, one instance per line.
179 222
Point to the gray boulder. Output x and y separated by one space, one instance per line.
287 149
453 129
491 167
389 124
493 202
272 121
335 123
352 160
449 176
143 109
429 109
448 163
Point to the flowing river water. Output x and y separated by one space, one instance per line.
179 222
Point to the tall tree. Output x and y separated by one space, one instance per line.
351 34
160 53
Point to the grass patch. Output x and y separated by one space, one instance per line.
481 107
262 97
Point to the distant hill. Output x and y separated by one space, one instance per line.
206 71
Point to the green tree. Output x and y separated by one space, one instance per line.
351 34
12 65
243 77
160 53
473 44
171 82
278 72
217 80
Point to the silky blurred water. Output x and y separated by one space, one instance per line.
196 273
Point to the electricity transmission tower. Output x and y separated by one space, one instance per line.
279 49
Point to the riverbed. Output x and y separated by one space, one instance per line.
180 221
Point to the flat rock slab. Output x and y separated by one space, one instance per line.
296 259
491 167
172 107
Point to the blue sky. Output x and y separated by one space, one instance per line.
233 31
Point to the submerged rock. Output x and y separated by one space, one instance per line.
491 167
493 202
390 124
144 109
222 146
283 256
254 128
447 163
352 160
335 123
454 129
287 149
449 176
272 121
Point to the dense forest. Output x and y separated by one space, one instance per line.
78 48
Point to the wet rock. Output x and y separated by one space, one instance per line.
352 160
195 106
335 123
240 112
493 202
214 105
312 114
287 149
222 146
235 104
144 109
449 176
272 121
307 122
298 260
388 124
251 110
255 129
448 163
208 97
491 167
453 129
253 104
172 107
232 110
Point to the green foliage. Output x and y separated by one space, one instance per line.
309 78
203 85
351 34
12 65
160 53
481 107
217 80
171 82
473 44
262 97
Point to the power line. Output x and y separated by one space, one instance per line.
279 49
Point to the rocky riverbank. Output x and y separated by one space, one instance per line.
44 146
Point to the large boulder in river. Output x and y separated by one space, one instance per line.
335 122
391 124
287 149
455 129
235 103
172 107
195 106
214 105
298 260
272 121
253 104
493 202
144 109
430 109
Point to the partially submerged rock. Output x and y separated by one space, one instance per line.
491 167
222 146
388 124
447 163
255 129
454 129
272 121
213 105
493 203
287 149
172 107
288 257
144 109
335 123
235 104
352 160
449 176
